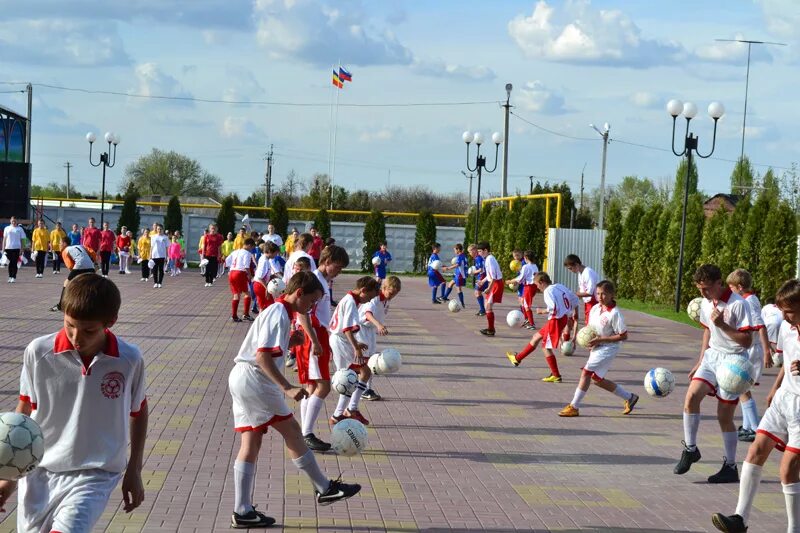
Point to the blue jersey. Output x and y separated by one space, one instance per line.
461 266
478 266
74 238
380 268
278 263
431 259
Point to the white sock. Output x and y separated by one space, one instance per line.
303 410
729 440
746 422
691 423
341 405
748 486
244 481
622 393
369 383
361 387
308 464
791 494
313 408
578 398
750 412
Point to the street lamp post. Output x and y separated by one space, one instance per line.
480 165
106 161
689 111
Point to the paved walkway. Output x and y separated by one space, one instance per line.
462 441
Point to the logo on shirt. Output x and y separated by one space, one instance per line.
112 385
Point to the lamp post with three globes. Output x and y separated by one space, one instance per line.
106 161
480 165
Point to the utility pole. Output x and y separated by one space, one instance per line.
530 188
582 171
268 179
68 166
470 177
28 88
507 106
604 135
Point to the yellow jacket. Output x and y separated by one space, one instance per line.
226 248
41 238
289 243
144 247
56 236
238 242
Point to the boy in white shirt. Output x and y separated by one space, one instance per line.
258 388
372 318
607 321
725 316
778 428
529 289
86 389
347 351
301 247
587 281
493 278
562 312
773 318
158 253
240 263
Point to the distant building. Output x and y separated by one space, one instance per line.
212 210
727 201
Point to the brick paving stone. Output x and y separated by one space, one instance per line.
461 442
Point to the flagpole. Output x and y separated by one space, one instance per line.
335 128
330 127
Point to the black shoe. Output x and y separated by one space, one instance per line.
248 318
747 435
315 444
55 308
730 524
337 491
480 313
235 319
727 474
251 519
487 332
371 395
436 301
334 304
687 458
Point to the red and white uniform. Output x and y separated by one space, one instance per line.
755 353
525 278
258 402
736 313
316 367
345 318
287 269
492 271
239 262
368 333
607 322
260 280
84 414
561 304
773 318
587 283
781 421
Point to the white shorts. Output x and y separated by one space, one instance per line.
314 372
63 501
342 351
707 373
257 401
369 336
756 356
600 360
781 421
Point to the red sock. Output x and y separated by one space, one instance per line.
553 364
526 351
529 314
490 319
247 303
234 307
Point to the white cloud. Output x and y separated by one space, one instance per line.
577 33
782 17
313 33
734 53
235 127
645 99
535 96
243 87
154 82
440 69
379 135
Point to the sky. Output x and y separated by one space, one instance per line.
572 63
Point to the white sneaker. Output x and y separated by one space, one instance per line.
159 285
12 280
105 276
155 285
127 271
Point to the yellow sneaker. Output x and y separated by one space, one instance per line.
629 404
552 379
569 411
513 358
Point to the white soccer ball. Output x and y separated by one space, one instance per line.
585 334
203 262
777 359
391 361
735 376
344 381
659 382
515 318
21 445
376 261
471 271
436 265
151 264
374 363
349 437
454 306
454 261
693 309
275 287
567 348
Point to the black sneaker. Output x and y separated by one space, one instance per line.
55 308
235 319
480 313
371 395
687 458
248 318
747 435
436 301
487 332
315 444
727 474
337 491
730 524
251 519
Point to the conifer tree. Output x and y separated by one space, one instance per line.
374 235
279 216
613 230
226 218
173 220
129 215
424 238
629 231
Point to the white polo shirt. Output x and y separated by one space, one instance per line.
83 411
587 282
12 237
378 306
275 238
789 346
560 301
736 313
492 268
262 269
287 270
322 309
269 333
240 260
772 317
526 274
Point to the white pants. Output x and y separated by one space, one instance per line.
68 502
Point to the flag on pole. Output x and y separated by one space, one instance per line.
344 75
336 80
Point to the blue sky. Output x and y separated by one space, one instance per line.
572 63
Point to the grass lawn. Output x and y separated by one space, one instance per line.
659 310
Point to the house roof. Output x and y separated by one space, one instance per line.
732 198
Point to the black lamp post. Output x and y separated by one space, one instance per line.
689 111
106 161
480 165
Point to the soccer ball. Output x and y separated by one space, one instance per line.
203 262
659 382
777 359
436 265
471 271
349 437
454 306
585 334
454 261
515 265
275 287
374 363
515 318
693 309
21 445
391 360
735 377
567 348
376 261
344 381
151 264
